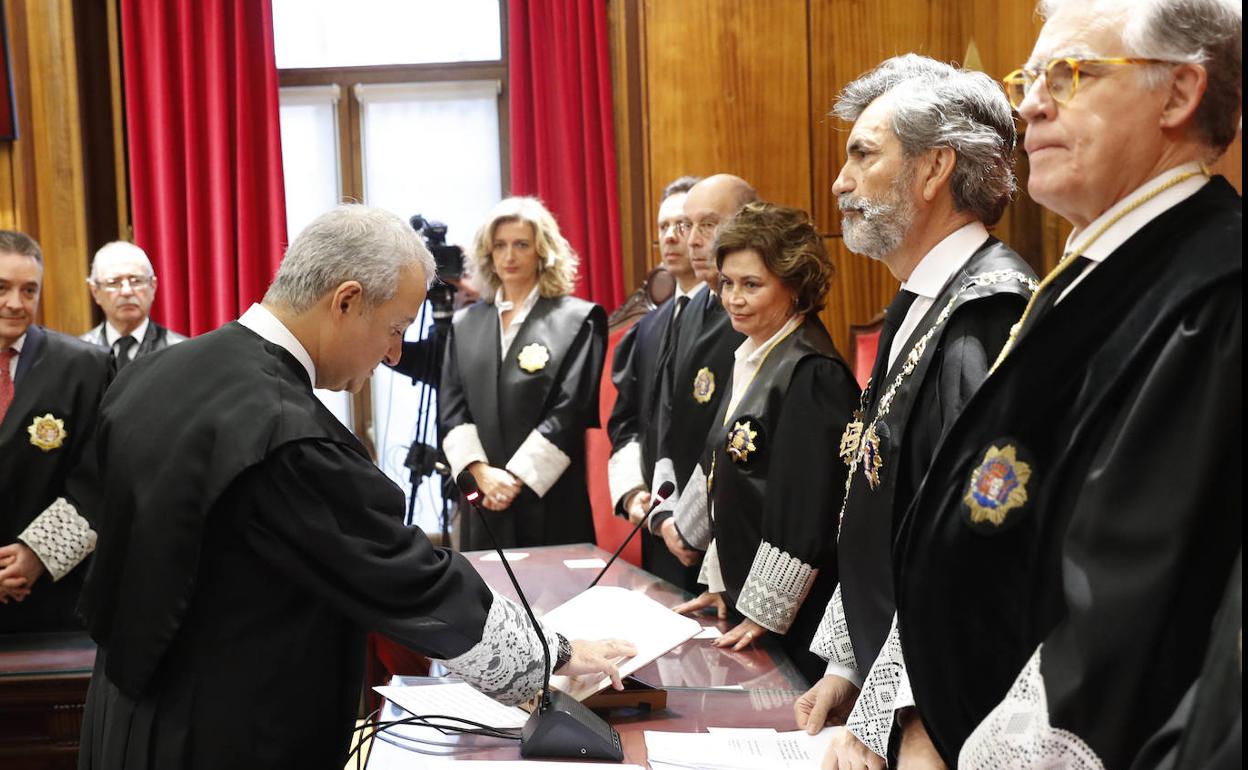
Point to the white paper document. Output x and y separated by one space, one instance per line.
608 612
592 563
511 556
456 699
738 749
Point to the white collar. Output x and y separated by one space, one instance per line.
17 344
693 290
752 355
945 260
501 303
111 335
1118 233
261 320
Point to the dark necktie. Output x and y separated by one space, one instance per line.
121 354
673 327
1047 297
6 380
893 316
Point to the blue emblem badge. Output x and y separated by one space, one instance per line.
997 486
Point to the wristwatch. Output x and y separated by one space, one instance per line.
565 651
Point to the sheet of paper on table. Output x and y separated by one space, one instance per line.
738 749
511 556
456 699
591 563
609 612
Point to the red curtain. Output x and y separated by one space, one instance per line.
205 154
562 135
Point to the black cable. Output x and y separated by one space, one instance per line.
478 728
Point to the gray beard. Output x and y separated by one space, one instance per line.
881 226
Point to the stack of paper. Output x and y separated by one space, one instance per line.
609 612
738 749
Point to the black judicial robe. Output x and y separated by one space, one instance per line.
1119 415
247 544
66 378
954 362
784 489
506 403
638 415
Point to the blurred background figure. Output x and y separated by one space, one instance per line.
123 284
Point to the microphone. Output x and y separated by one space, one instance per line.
560 726
664 491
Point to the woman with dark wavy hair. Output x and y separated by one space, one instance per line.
763 503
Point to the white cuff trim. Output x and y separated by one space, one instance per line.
709 574
624 472
832 641
693 515
885 691
538 463
775 588
664 471
60 537
507 663
462 446
1017 732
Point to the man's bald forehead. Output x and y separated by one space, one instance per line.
723 192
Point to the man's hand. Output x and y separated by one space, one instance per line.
676 544
746 633
599 657
846 752
637 505
828 702
707 599
19 569
917 751
498 487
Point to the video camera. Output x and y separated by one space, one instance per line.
450 263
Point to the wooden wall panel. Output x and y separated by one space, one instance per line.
728 91
861 289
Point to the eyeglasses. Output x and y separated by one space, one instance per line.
707 227
1061 77
680 226
114 284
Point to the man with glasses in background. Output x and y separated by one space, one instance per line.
123 284
1059 572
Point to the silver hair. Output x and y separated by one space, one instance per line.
1205 32
938 105
349 243
119 250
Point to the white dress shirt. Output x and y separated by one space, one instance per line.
931 274
17 346
111 335
261 320
507 335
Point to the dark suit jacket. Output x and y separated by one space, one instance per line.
156 338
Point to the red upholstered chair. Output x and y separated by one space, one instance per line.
864 341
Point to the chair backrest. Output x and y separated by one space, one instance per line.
864 342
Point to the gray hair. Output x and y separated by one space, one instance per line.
937 105
679 185
1205 32
119 250
348 243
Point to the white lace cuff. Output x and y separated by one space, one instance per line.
624 472
507 663
462 446
538 463
60 537
885 690
775 588
1017 732
709 574
692 515
832 642
664 470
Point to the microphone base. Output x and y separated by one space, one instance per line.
565 729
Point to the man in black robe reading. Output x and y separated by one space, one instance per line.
247 543
1060 571
930 167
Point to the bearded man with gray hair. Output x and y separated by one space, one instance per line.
1060 573
247 543
929 168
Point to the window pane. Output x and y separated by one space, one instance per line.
338 33
310 164
430 149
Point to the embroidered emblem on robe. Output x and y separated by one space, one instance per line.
533 357
741 441
872 459
851 438
998 485
703 385
47 432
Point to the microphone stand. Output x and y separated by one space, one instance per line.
560 727
663 492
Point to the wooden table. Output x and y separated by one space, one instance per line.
43 688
